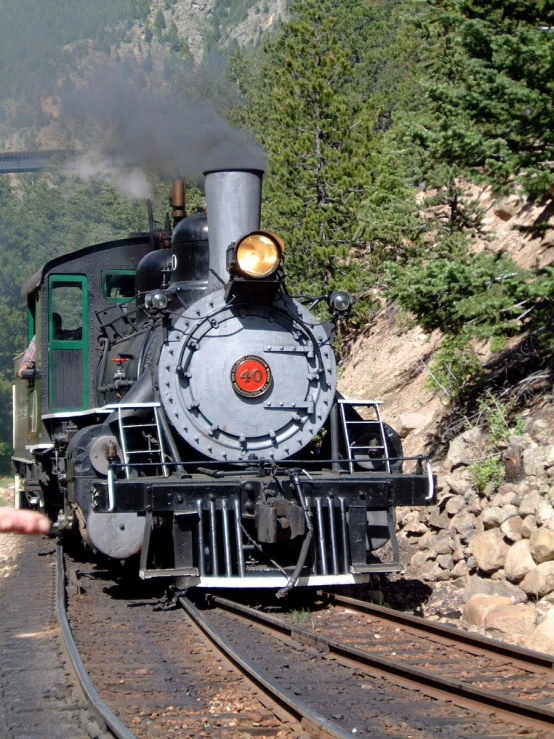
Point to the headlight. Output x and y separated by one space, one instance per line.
259 254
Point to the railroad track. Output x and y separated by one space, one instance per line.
154 673
421 679
391 675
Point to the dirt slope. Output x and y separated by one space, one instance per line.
390 360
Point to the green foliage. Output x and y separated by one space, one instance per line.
159 22
454 368
460 292
491 88
489 470
310 110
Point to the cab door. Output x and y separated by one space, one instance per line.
67 343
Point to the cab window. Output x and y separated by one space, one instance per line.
66 317
118 285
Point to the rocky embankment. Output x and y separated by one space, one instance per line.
493 550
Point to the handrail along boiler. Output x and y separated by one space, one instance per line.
184 407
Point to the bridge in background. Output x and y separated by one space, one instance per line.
30 161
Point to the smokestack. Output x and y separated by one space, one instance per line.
233 202
177 201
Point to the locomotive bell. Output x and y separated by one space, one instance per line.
233 200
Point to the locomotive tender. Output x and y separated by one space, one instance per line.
184 406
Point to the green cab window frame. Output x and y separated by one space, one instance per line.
31 307
109 273
68 342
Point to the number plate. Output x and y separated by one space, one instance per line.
251 376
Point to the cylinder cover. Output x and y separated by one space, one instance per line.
246 382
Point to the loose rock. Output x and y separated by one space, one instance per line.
541 545
540 581
512 528
530 503
509 621
495 516
476 609
519 561
490 550
542 638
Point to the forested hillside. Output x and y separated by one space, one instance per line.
378 119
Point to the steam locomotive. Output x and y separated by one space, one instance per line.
183 409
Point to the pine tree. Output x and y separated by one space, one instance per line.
318 134
159 22
494 87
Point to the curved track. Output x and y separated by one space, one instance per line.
360 669
119 730
154 669
408 689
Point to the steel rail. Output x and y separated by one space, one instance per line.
119 730
425 681
293 705
481 644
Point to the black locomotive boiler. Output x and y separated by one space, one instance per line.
184 406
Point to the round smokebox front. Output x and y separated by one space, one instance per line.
252 382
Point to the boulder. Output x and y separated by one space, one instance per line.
458 554
480 585
539 581
533 460
512 528
445 561
544 513
430 571
455 505
427 540
490 550
444 543
508 621
495 516
528 526
549 456
496 499
412 524
409 422
478 606
459 481
463 523
460 569
439 519
542 638
508 498
419 559
530 503
464 447
519 561
541 545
